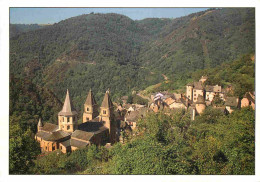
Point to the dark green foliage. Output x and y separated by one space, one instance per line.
16 29
225 146
23 149
29 102
59 163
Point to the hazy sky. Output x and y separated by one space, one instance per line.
54 15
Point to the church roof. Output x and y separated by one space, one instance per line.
107 103
49 127
74 143
53 136
77 143
92 127
68 108
82 135
90 99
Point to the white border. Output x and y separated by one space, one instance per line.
4 94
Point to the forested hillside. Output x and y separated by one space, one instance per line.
16 29
102 51
201 40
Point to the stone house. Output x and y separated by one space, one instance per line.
212 91
193 90
231 104
68 136
248 100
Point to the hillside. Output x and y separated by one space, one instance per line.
16 29
101 51
28 102
201 40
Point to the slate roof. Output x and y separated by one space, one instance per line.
74 143
198 85
209 88
82 135
107 103
90 99
231 101
66 143
68 108
93 127
132 116
78 144
54 136
49 127
250 97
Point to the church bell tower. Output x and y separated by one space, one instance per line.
67 117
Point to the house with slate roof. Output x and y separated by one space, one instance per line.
68 135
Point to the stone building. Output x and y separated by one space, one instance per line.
248 100
68 135
193 90
231 104
212 91
200 105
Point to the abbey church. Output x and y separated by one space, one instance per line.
96 128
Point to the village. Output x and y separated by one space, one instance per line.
115 121
198 96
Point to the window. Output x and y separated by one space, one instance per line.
87 109
189 96
104 111
53 147
61 147
194 90
68 119
68 127
87 119
194 94
62 119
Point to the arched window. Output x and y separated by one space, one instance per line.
104 111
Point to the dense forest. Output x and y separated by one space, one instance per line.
101 51
16 29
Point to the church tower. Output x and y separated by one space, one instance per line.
90 108
40 125
107 116
67 117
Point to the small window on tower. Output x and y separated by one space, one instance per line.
68 127
87 109
104 111
87 119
